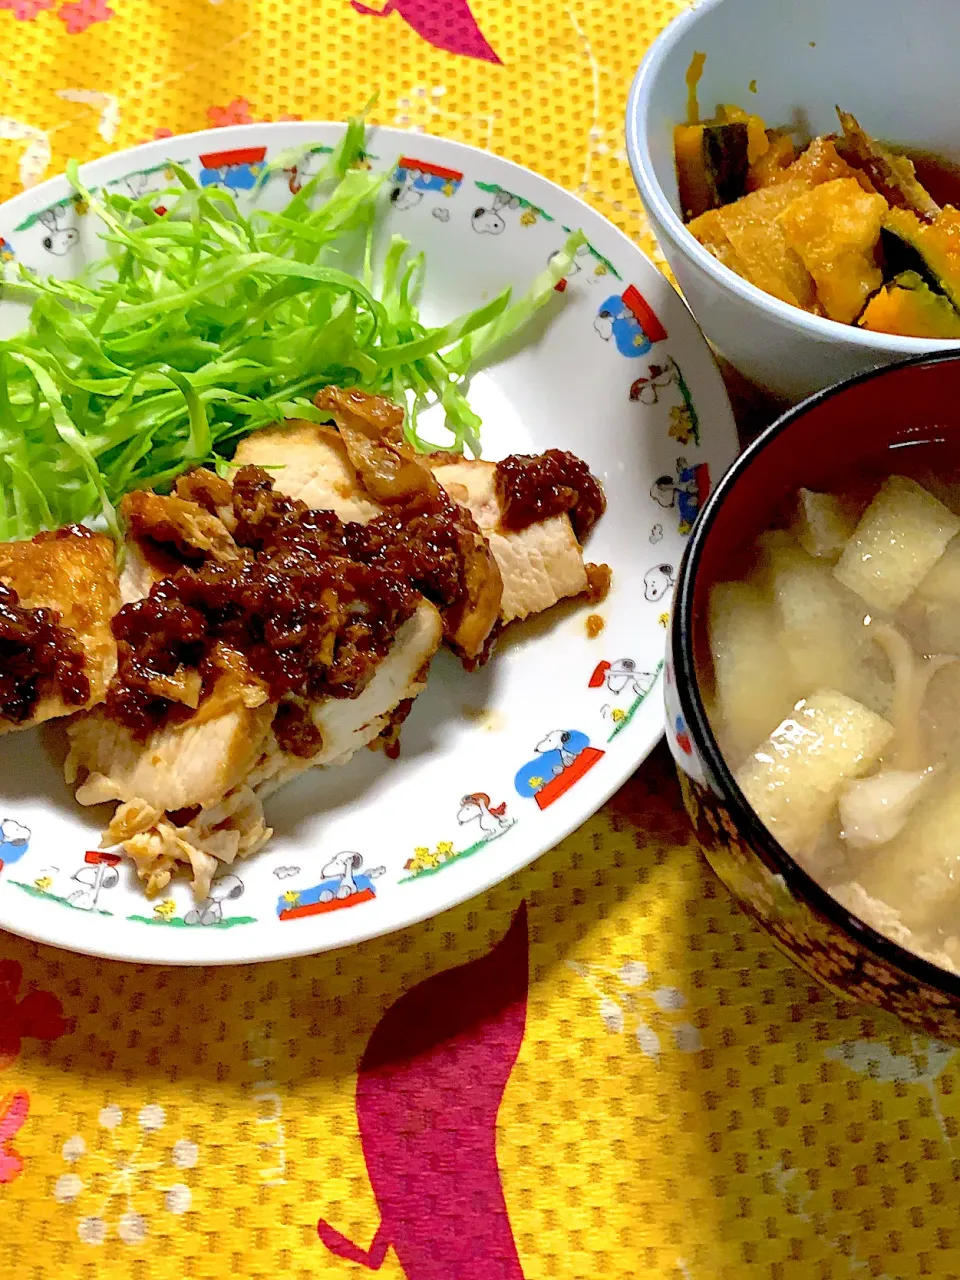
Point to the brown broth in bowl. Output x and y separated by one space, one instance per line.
937 174
834 689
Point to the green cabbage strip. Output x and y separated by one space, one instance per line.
202 325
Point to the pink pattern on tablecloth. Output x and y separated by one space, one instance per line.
235 112
78 15
38 1014
428 1093
446 24
26 10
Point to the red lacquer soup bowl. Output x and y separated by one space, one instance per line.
910 409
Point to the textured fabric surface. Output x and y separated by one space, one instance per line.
601 1069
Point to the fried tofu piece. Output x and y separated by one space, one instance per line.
834 230
74 574
752 228
900 537
795 777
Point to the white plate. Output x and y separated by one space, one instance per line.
576 383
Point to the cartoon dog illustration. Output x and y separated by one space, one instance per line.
406 195
658 581
342 869
490 221
14 833
210 911
14 841
581 262
306 168
59 239
476 807
414 178
136 184
562 757
622 676
659 377
343 885
687 492
630 322
565 743
579 259
239 170
99 873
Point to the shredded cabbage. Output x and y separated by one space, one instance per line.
202 325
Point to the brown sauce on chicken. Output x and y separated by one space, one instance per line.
311 603
295 731
531 488
36 651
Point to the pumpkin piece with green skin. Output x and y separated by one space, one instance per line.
908 306
711 164
757 140
932 249
834 230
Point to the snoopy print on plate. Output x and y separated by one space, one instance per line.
498 765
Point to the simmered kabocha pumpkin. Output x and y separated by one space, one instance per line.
842 229
908 306
711 165
930 248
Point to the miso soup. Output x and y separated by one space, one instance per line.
834 693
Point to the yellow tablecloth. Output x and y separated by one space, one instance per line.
683 1102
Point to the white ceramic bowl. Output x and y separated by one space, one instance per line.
894 68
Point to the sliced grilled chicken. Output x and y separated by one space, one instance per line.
314 466
347 724
224 730
183 764
61 594
196 765
164 532
177 526
539 565
359 476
